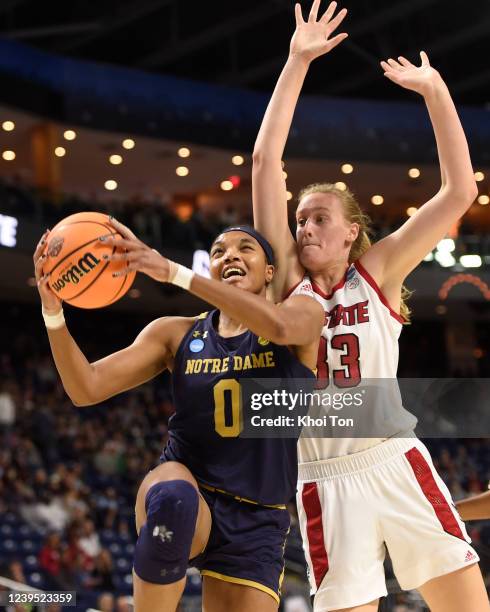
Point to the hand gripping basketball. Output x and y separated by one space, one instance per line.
51 303
139 256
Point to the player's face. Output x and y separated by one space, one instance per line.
238 259
323 234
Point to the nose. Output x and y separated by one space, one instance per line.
231 254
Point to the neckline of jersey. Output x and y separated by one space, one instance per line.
339 285
226 339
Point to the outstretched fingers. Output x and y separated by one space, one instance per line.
122 229
328 14
333 42
314 10
425 59
298 14
336 21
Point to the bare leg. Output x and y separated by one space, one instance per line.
221 596
165 597
459 591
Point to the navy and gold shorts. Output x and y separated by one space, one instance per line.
246 543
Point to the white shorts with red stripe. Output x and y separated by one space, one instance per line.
351 507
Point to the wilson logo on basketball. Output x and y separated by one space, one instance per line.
73 275
55 246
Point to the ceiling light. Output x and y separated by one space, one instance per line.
377 200
70 135
226 185
110 185
182 171
128 143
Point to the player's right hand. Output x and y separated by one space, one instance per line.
312 38
51 303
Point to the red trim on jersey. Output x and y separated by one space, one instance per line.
288 293
339 285
434 495
314 531
365 274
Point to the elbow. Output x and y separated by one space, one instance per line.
257 157
260 156
464 195
81 402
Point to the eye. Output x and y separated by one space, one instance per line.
216 252
301 222
321 218
247 247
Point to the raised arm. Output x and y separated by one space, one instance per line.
310 40
90 383
393 258
297 322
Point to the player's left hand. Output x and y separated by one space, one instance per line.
139 256
421 79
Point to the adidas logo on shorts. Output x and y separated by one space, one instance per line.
469 556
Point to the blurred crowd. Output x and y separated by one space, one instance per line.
69 476
160 224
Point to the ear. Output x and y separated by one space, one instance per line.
353 232
269 273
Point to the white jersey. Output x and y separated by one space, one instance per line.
359 341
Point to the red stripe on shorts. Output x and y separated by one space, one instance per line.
434 495
314 531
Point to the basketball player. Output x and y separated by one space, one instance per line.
216 498
476 508
357 495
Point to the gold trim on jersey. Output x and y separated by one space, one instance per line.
251 583
240 499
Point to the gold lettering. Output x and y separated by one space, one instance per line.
198 366
190 366
269 359
207 363
258 360
247 363
226 364
216 366
237 362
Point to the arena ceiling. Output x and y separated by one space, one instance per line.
244 43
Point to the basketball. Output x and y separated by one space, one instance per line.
78 273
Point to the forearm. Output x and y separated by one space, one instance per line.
454 156
75 371
475 508
278 117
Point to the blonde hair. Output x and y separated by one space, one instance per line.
354 214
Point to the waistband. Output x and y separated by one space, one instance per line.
238 498
357 462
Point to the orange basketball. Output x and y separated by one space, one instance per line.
78 274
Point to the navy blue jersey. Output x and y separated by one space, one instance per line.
204 432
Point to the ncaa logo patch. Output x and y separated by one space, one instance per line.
263 341
196 345
352 284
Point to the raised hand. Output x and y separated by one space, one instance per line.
421 79
312 38
50 301
137 254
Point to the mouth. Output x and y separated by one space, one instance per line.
232 272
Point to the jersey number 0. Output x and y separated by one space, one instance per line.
231 427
